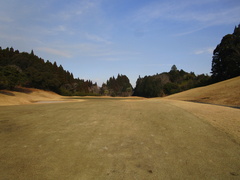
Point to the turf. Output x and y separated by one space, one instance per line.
117 139
222 93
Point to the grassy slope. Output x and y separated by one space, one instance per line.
26 96
114 139
121 139
223 93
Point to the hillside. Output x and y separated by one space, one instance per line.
224 93
26 96
168 83
28 70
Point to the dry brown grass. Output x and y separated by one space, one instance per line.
26 96
225 119
120 138
222 93
109 139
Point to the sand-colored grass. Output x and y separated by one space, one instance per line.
26 96
114 139
121 138
223 93
226 119
35 96
31 96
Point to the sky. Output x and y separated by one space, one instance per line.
98 39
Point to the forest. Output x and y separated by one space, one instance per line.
28 70
22 69
225 65
168 83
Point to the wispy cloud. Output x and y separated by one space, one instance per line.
201 14
158 65
78 9
54 52
208 50
96 38
111 59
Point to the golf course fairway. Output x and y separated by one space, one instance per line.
113 139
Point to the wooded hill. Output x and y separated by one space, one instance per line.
119 86
169 83
225 65
28 70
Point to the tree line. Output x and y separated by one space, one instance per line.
225 65
28 70
168 83
119 86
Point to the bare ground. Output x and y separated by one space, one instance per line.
115 139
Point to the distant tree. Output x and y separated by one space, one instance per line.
168 83
11 50
149 86
10 76
119 86
171 88
32 53
174 68
226 57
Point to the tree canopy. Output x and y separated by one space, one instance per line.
226 57
119 86
169 83
28 70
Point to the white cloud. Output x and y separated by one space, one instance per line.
208 50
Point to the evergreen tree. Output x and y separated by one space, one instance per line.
32 53
226 57
119 86
174 68
168 83
28 70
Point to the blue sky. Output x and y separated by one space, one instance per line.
96 39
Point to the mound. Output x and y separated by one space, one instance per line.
26 96
222 93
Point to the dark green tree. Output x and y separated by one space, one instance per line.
168 83
28 70
10 77
119 86
174 68
226 57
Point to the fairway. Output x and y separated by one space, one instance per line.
113 139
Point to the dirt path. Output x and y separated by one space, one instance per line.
113 139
